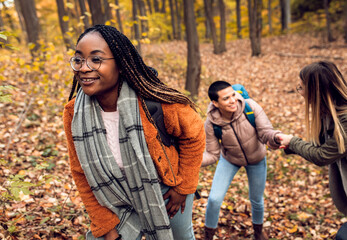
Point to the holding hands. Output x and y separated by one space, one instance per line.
284 139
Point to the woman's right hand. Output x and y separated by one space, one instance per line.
111 235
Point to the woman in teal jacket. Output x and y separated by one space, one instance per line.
325 92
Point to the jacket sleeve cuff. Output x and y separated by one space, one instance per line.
108 225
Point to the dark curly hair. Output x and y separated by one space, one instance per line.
138 75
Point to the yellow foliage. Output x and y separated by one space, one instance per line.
31 46
114 6
69 5
293 230
65 18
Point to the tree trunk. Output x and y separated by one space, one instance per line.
194 62
2 41
179 19
1 22
218 44
20 16
173 20
108 14
288 12
142 9
209 18
255 25
119 20
285 14
156 5
238 19
222 47
64 26
328 21
149 4
207 28
136 26
269 14
163 6
96 11
208 13
83 13
345 27
31 22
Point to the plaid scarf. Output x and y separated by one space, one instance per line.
135 197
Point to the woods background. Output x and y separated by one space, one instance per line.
262 44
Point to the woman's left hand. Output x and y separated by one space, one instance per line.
284 139
176 201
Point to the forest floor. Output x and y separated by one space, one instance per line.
34 157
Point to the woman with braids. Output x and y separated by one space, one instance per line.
130 183
325 92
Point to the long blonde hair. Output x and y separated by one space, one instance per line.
325 95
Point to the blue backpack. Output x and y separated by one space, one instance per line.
247 111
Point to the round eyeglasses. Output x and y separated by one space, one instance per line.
93 62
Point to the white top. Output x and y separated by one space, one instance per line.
111 122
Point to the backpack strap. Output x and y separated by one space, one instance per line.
217 131
249 114
156 111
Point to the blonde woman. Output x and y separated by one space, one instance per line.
325 92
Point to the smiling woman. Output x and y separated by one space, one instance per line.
241 144
131 184
97 77
324 91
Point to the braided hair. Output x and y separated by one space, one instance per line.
133 70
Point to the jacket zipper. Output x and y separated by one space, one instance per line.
243 151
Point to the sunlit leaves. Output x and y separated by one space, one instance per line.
3 36
69 5
297 200
5 93
65 18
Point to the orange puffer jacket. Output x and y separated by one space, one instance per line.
181 171
241 144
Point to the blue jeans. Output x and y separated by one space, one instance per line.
223 176
342 233
181 224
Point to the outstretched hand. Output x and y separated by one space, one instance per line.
176 201
284 139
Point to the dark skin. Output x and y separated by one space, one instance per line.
176 201
103 83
